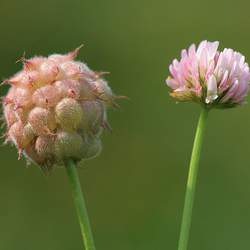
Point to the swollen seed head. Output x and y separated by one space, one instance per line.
33 63
32 156
28 135
21 113
42 121
19 79
21 135
69 114
93 148
72 69
23 98
86 91
93 117
68 146
103 91
15 133
49 71
68 88
44 146
55 110
9 114
46 96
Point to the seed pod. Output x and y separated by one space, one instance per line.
15 133
28 135
103 91
49 71
93 116
68 88
32 156
42 121
10 115
92 149
68 145
46 97
44 146
69 114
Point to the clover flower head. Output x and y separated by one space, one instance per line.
208 76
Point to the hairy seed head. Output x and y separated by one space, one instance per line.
55 109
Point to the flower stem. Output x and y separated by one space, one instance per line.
192 179
80 206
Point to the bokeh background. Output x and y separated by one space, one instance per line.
135 189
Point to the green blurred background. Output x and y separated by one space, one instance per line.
135 189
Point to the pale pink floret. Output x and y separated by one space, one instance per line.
209 76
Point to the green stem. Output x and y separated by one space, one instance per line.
192 179
80 206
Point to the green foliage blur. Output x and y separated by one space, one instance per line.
135 188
